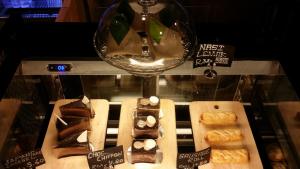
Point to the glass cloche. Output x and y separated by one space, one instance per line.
144 37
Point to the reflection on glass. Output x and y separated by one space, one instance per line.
144 37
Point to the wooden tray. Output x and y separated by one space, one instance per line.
199 130
8 111
97 137
167 144
288 111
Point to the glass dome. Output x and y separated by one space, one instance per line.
144 37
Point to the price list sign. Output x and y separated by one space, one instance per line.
27 160
106 159
191 160
221 55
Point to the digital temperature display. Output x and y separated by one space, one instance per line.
59 67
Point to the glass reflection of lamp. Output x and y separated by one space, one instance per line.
144 37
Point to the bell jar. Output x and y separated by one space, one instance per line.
145 37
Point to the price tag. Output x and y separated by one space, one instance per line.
106 159
191 160
28 160
221 55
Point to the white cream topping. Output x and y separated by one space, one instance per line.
141 123
151 121
149 144
154 100
82 138
138 145
85 100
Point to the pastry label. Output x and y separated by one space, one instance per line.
221 55
106 158
28 160
191 160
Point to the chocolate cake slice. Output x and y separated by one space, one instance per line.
72 150
146 127
143 151
81 108
148 105
74 139
71 125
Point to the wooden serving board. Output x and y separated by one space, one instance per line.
96 137
167 143
8 111
288 111
199 131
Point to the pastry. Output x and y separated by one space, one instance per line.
72 150
144 151
74 139
80 108
71 125
148 105
218 118
274 152
146 127
220 136
76 144
222 156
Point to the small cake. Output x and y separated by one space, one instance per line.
144 151
274 152
148 105
80 108
229 156
218 118
220 136
76 144
68 125
146 127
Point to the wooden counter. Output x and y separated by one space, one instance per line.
167 144
199 130
97 137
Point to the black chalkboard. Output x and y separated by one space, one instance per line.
221 55
107 158
191 160
27 160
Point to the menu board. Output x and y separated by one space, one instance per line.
27 160
208 54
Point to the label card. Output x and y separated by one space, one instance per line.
191 160
106 159
28 160
220 54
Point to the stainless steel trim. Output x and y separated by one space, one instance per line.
246 67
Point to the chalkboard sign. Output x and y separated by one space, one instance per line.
28 160
221 55
191 160
106 159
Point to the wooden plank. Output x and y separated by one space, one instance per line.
288 111
8 111
97 137
167 144
199 131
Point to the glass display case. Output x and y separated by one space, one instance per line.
47 63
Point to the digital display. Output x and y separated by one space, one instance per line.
59 67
